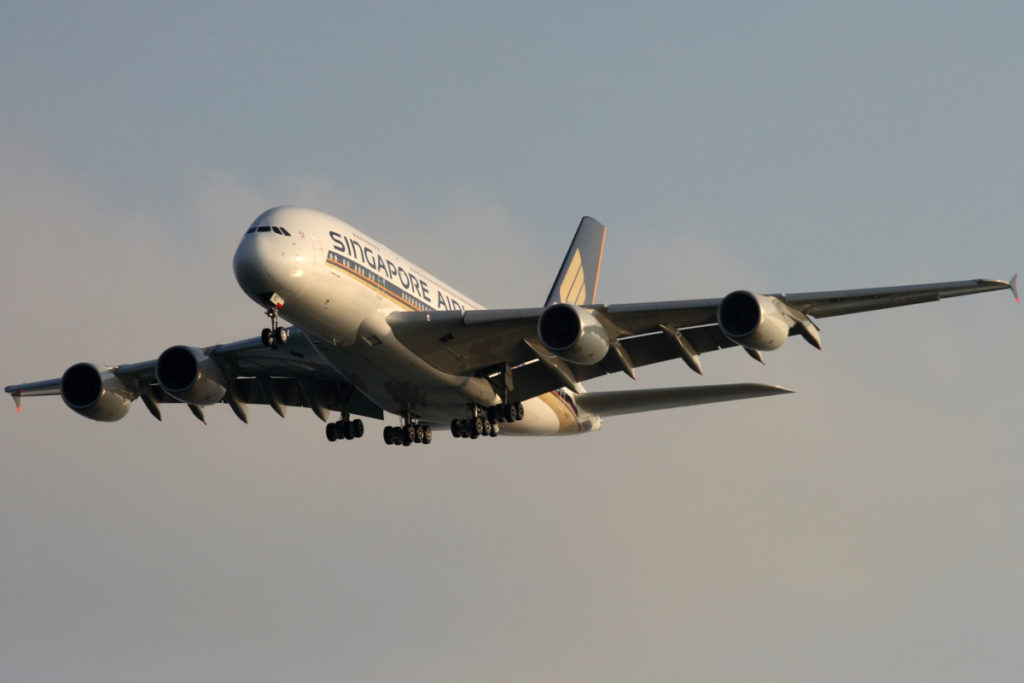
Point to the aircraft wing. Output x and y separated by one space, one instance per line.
293 375
488 342
612 403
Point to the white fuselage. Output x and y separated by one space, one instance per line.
338 286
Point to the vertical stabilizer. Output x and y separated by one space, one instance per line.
577 280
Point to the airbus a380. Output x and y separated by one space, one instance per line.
373 334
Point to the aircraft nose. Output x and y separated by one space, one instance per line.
256 265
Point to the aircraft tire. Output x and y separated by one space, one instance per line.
281 336
357 429
520 411
332 432
456 429
267 337
387 436
428 434
495 429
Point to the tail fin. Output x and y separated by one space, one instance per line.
577 280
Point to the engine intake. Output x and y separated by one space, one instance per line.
573 333
754 321
190 376
95 393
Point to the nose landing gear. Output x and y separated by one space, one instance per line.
275 335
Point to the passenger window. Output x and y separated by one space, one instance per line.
264 228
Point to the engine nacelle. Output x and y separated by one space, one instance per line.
190 376
95 393
754 321
573 333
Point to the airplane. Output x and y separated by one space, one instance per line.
371 333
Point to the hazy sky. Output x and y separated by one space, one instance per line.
868 527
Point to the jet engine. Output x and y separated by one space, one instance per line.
190 376
573 333
754 321
95 393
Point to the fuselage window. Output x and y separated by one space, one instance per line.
264 228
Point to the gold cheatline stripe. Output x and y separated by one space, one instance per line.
374 285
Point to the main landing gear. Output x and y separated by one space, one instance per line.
275 335
344 429
409 433
484 421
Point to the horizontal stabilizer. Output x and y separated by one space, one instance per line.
610 403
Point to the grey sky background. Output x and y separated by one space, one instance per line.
868 527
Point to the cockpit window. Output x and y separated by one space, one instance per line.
267 228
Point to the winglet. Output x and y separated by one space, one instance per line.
1013 287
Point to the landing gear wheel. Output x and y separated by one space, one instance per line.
281 336
476 427
332 432
427 434
520 411
357 429
495 429
508 411
388 436
456 429
419 434
267 337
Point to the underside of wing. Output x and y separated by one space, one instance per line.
842 302
612 403
240 373
509 347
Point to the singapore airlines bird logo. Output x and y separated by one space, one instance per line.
574 286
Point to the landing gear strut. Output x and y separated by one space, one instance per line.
484 421
275 335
